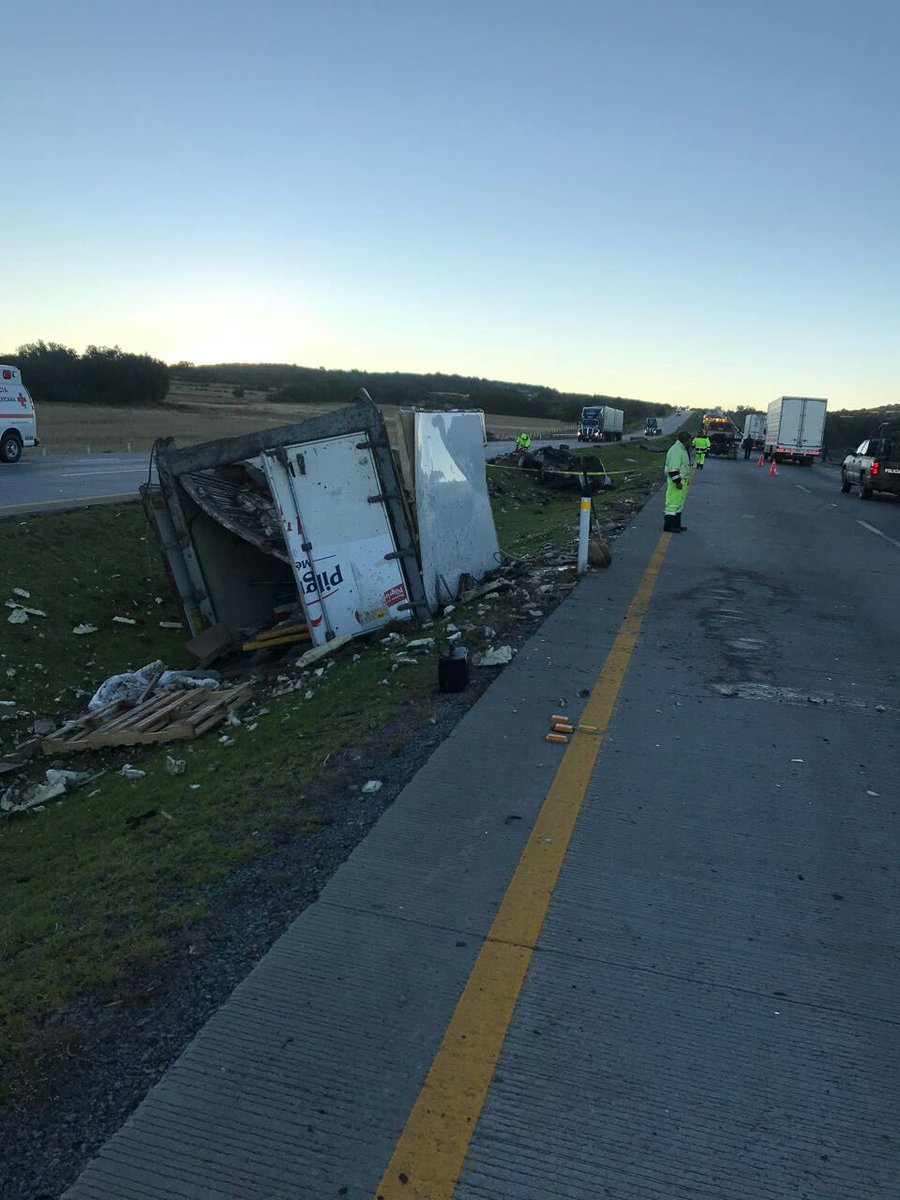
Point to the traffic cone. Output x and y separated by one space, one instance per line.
772 470
760 463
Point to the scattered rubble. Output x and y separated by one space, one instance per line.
495 657
56 784
370 788
84 629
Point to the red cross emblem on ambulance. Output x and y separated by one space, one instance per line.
21 399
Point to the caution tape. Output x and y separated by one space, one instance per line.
554 471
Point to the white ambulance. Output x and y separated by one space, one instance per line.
18 424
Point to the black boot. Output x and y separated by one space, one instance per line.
668 523
679 528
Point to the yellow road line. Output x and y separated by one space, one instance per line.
429 1154
70 502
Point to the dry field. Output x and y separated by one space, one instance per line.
198 414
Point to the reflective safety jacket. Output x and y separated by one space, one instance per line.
523 441
678 463
701 444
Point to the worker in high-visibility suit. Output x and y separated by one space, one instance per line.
523 442
701 447
678 478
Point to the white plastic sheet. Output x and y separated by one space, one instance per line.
130 684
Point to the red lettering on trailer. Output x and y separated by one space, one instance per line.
394 595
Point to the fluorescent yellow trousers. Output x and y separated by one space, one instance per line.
675 497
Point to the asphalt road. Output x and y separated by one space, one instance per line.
705 1007
45 482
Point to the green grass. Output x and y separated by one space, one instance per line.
85 567
84 894
527 515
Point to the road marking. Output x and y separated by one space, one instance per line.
71 502
429 1154
99 471
803 489
872 529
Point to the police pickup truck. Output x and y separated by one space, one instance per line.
874 466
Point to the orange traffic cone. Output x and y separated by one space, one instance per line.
772 470
760 463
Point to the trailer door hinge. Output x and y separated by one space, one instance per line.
384 496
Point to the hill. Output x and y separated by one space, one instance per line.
292 384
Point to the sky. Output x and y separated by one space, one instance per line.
684 201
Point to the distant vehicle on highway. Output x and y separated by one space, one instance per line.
601 424
874 466
755 429
18 423
795 427
651 427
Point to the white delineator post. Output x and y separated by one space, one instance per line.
584 530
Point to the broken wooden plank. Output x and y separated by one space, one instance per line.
179 731
218 716
220 700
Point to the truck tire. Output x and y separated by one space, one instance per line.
845 484
865 491
10 447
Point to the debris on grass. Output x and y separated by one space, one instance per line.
370 788
495 657
83 629
131 685
56 784
130 772
318 652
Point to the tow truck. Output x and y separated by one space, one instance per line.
722 432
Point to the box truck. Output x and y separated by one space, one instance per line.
795 427
755 429
601 424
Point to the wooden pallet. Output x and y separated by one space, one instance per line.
163 717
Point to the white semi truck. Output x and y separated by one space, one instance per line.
795 428
601 424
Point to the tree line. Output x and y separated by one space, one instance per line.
101 375
110 375
291 384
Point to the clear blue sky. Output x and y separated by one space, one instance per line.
680 200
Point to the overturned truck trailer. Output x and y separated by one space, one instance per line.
316 523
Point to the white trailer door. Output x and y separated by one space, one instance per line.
339 538
812 423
